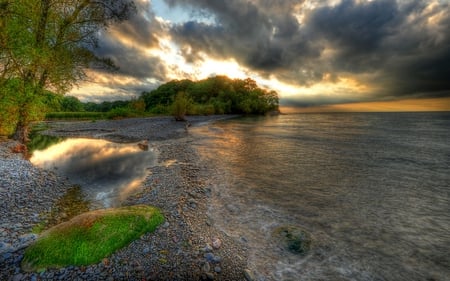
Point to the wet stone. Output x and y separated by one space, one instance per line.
209 257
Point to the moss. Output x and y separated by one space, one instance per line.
294 239
90 237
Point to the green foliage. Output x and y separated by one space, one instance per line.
19 104
137 105
215 95
160 109
9 108
75 115
90 237
47 45
71 104
180 106
122 112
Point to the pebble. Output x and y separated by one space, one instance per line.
18 277
28 193
206 267
210 276
5 247
209 257
249 275
216 243
217 259
208 248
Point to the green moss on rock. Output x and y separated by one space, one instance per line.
90 237
294 239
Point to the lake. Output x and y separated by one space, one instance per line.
372 190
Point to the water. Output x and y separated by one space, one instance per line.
372 189
107 172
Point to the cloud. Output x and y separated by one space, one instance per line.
340 51
402 44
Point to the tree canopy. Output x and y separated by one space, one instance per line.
47 45
214 95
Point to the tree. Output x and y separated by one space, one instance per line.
180 106
71 104
47 45
214 95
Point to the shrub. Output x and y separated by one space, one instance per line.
180 106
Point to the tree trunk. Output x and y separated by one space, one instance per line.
22 133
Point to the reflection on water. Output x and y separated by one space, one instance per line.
41 142
68 206
371 189
106 171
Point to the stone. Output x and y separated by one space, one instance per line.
6 256
5 247
210 276
217 259
18 277
217 269
207 248
27 239
216 243
249 275
192 203
206 267
143 145
209 257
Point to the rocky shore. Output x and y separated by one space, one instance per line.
186 247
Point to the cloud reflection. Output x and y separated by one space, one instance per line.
106 171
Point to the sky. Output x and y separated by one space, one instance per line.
334 54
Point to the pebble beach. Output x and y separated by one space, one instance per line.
187 246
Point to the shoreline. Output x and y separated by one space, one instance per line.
186 247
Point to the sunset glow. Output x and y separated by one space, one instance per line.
313 53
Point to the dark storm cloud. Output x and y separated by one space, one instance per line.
403 46
131 61
142 27
394 41
261 39
125 44
356 28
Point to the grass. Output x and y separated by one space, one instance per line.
90 237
